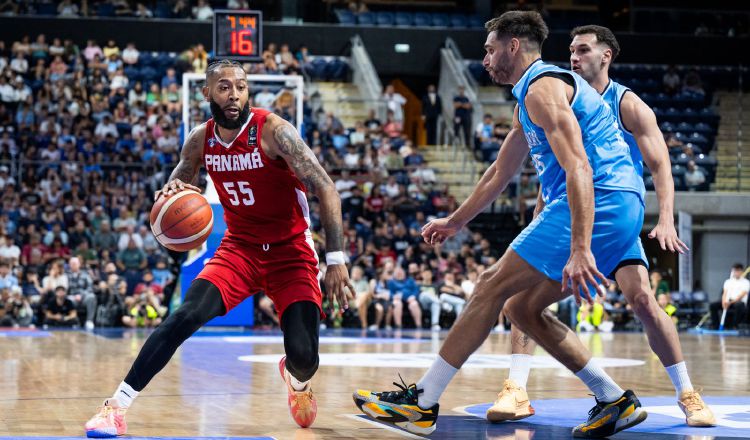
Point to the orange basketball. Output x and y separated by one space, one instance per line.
183 221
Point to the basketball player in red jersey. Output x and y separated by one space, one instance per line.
261 169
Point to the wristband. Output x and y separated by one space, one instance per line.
335 258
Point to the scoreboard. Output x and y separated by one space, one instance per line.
238 34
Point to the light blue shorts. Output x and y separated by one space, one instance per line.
618 219
635 256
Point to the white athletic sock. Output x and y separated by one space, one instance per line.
679 376
124 395
520 365
297 385
604 388
434 382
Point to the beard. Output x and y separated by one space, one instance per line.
230 124
502 70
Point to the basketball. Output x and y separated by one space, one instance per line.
183 221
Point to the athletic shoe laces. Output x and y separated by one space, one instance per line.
693 401
405 394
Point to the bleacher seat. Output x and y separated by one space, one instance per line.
476 21
384 18
422 19
105 10
439 19
366 18
46 9
345 16
162 10
404 18
458 21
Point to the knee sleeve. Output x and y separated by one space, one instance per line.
300 323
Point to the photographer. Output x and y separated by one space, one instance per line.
144 312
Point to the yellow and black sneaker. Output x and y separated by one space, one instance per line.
606 419
398 408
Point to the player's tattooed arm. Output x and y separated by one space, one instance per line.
185 175
190 157
308 170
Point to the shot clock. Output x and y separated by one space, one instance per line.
238 34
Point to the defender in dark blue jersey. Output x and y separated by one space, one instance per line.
593 216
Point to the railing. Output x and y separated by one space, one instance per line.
366 78
453 73
739 129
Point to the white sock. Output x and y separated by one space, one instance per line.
604 388
124 395
434 382
520 366
679 376
297 385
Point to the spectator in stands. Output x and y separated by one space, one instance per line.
81 289
404 290
694 177
429 299
9 251
67 8
111 49
60 311
733 299
593 317
693 85
451 294
286 60
238 4
200 59
659 286
92 50
462 109
395 103
141 11
169 78
264 99
671 81
7 279
303 57
483 134
181 9
130 54
15 309
363 296
203 11
19 65
432 108
143 313
665 303
393 127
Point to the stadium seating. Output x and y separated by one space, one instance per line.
399 18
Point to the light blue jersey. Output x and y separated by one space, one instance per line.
618 187
605 147
613 97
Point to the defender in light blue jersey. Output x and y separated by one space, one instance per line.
591 52
593 216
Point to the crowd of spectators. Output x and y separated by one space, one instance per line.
177 9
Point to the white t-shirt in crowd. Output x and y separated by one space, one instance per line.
735 287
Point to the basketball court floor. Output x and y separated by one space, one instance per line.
226 385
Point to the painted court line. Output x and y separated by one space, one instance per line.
363 418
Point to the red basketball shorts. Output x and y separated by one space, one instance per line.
287 272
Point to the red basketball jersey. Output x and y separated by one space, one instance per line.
263 200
